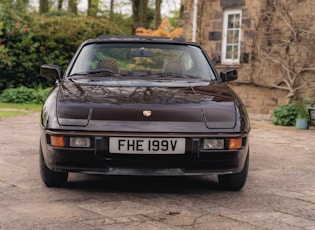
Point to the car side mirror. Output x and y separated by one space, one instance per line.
229 75
50 71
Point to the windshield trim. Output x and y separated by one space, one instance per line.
210 74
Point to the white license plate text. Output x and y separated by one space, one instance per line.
147 145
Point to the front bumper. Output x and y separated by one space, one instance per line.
98 160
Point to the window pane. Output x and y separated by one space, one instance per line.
231 21
235 52
235 37
236 21
228 52
230 38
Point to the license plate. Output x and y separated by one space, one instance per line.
147 145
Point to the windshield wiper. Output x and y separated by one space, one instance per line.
174 75
94 71
166 75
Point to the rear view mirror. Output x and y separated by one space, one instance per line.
141 53
229 75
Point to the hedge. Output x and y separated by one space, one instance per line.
28 40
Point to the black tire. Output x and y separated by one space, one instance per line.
50 177
236 181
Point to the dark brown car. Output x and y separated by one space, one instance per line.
143 106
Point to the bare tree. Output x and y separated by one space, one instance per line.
290 43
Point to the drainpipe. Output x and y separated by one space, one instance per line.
194 30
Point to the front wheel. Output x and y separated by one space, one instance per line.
236 181
50 177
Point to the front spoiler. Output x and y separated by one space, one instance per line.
126 171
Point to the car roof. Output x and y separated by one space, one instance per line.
146 39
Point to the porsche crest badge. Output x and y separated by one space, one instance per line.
146 113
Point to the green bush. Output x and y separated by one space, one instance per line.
23 95
302 109
28 40
285 115
41 95
18 95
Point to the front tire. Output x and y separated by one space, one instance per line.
236 181
50 177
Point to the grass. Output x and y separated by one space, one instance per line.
9 110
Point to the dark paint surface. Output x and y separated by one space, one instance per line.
85 105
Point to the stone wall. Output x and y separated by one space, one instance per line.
256 74
258 99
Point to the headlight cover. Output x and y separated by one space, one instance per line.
80 142
213 144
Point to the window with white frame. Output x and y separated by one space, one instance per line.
231 37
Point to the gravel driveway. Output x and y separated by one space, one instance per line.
279 194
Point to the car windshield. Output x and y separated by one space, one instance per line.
134 60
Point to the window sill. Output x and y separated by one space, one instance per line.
230 66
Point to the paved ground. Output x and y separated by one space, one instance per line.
279 194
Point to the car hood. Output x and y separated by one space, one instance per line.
126 108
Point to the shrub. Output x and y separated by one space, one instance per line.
18 95
23 95
41 95
165 30
302 109
285 115
28 40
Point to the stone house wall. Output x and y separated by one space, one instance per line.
255 73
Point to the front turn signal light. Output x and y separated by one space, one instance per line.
235 143
57 141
